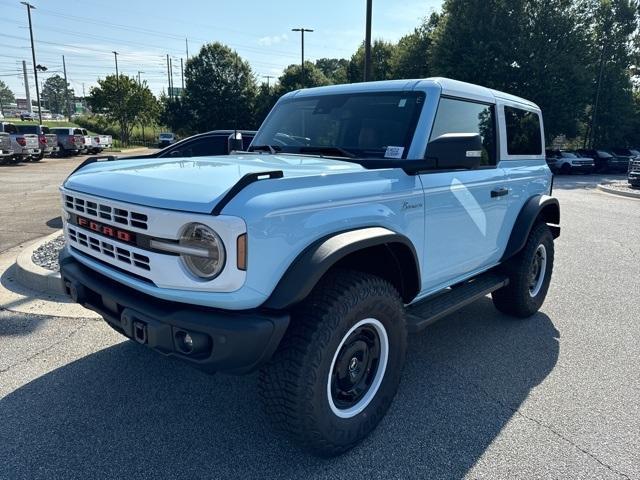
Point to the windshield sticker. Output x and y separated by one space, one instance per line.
402 102
394 152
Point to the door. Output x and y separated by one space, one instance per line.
465 209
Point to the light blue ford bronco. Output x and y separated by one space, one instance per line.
361 214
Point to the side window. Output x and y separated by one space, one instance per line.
209 146
523 132
461 116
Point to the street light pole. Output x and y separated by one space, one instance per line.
367 44
302 30
139 82
33 56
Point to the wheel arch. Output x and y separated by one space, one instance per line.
394 259
542 208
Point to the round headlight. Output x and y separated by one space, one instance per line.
206 255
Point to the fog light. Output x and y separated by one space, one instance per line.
191 343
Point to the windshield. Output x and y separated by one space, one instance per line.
363 125
604 154
166 135
568 155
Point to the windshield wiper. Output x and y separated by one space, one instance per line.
332 151
273 149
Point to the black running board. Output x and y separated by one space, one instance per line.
425 312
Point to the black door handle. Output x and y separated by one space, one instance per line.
499 192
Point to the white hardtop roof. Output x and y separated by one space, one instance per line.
447 86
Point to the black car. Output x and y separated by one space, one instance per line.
606 161
216 142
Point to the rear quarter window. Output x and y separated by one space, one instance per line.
523 132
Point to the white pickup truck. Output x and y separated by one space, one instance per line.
25 145
96 143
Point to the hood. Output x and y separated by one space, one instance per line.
190 184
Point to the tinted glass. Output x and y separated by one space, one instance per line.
77 131
27 128
46 130
460 116
523 132
365 125
202 147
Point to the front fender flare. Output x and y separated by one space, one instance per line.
316 260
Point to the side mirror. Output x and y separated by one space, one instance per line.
234 142
455 151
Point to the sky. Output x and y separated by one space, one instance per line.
143 32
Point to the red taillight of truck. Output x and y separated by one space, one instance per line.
21 141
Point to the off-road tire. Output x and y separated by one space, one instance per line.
515 299
293 385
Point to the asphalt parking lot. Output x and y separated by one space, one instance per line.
482 395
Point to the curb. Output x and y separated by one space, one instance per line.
604 188
34 276
15 297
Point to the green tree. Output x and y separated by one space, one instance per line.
291 80
381 62
220 89
615 22
55 92
123 101
335 69
538 49
411 56
6 96
265 100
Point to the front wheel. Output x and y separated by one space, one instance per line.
529 275
337 370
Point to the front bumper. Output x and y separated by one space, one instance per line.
228 341
582 168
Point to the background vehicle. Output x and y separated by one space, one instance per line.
6 150
95 143
24 116
165 139
70 140
206 144
48 141
567 162
299 256
633 175
24 145
605 161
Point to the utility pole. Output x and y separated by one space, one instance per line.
26 86
367 44
302 30
139 82
168 78
33 56
66 89
171 77
182 74
268 77
589 137
115 55
186 44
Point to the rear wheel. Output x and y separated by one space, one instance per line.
529 275
565 169
337 370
